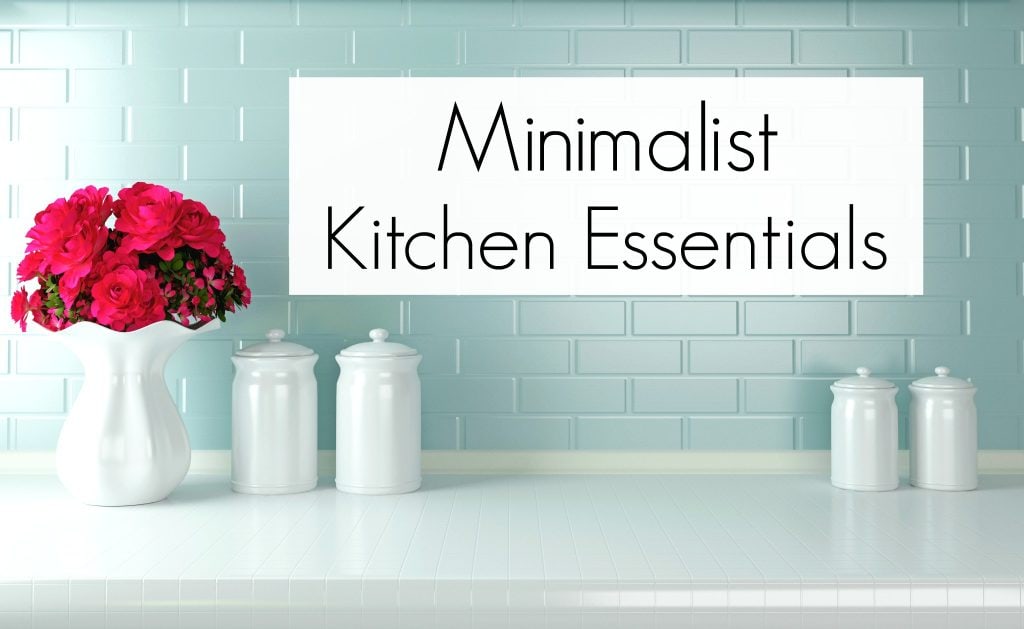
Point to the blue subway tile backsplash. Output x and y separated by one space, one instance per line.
513 356
628 356
112 13
685 395
513 46
906 13
353 13
824 357
572 317
125 87
632 46
28 433
240 13
845 47
208 47
31 13
70 124
797 317
795 13
491 432
32 394
682 14
741 357
740 433
77 49
572 395
739 47
194 94
628 433
684 318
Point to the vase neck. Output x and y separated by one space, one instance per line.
144 351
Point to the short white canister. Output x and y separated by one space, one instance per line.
865 433
378 417
273 418
943 433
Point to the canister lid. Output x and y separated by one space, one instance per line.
379 347
942 380
863 380
275 347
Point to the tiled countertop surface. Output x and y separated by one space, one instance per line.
511 551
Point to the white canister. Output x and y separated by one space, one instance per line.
865 433
378 417
273 418
943 433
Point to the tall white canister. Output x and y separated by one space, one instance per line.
943 433
378 417
273 418
865 433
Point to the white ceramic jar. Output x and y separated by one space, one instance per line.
273 418
943 433
378 417
865 433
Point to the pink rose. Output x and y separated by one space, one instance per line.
126 298
148 216
67 238
84 271
199 229
31 266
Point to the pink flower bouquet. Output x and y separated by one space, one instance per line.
164 259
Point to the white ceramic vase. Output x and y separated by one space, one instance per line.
124 443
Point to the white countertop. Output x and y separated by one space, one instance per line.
511 551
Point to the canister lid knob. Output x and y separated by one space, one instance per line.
863 380
941 380
380 347
275 347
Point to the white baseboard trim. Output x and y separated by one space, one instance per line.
567 462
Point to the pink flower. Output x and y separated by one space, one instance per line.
35 306
19 308
199 229
81 270
243 288
24 305
224 259
31 266
148 215
67 238
51 321
126 298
